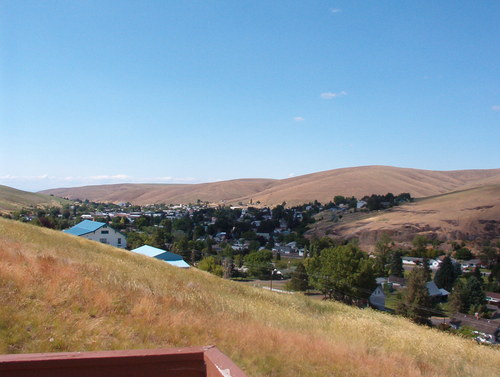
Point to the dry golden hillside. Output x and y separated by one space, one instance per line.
12 199
323 186
463 215
63 293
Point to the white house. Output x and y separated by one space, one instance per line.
97 231
361 204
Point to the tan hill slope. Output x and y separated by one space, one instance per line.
142 194
322 186
12 199
63 293
463 215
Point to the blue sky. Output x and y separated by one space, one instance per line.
102 91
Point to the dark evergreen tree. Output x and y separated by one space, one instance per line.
475 292
383 249
417 303
463 254
459 298
445 276
300 279
477 273
396 265
427 269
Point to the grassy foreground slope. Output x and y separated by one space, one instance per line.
62 293
12 199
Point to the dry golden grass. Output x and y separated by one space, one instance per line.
62 293
322 186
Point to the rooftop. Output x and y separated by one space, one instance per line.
84 227
154 252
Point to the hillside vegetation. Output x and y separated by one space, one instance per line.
63 293
461 215
322 186
12 199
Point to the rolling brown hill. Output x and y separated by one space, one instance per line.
468 215
12 199
322 186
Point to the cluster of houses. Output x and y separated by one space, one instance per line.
377 298
487 330
435 263
172 213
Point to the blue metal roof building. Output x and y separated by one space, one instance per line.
97 231
86 226
171 258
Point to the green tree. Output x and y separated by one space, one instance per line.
181 247
319 244
494 279
396 265
300 279
463 254
211 265
459 297
475 293
135 240
416 303
339 199
343 272
490 254
427 269
420 243
383 249
259 264
446 274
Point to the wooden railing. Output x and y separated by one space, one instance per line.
176 362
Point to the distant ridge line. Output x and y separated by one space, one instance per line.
321 186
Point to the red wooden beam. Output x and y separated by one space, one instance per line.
219 365
177 362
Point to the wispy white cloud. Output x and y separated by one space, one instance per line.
174 179
330 95
495 108
116 177
299 119
291 175
335 10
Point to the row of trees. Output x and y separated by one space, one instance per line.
373 202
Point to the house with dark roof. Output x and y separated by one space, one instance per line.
438 294
166 256
97 231
377 298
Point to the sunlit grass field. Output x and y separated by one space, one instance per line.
63 293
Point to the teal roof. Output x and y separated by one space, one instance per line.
84 227
178 263
167 256
148 251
